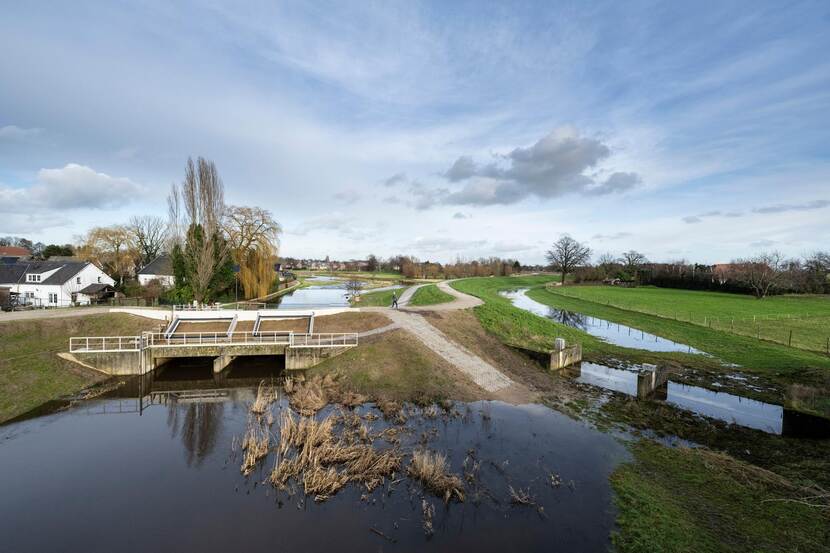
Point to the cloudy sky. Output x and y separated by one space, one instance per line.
681 129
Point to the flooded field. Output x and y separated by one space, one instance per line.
613 333
155 466
652 383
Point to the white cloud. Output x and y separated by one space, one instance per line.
349 196
13 132
71 187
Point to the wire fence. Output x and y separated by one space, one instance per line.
808 331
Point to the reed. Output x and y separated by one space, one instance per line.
431 469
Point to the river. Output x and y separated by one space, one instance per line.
150 467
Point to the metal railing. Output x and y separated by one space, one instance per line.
160 339
190 307
105 344
325 339
157 339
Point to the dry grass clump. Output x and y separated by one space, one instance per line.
309 452
431 469
254 445
266 394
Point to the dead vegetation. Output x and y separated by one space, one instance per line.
266 394
254 444
309 451
309 396
428 512
430 467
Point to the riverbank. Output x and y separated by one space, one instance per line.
31 373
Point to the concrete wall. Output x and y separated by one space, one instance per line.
565 357
113 363
297 358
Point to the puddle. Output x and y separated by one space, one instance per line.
613 333
150 466
651 383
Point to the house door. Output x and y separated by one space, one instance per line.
74 298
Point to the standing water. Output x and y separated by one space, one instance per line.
613 333
157 471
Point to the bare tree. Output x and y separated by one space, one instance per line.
198 207
633 260
149 234
354 287
761 273
566 254
606 260
111 248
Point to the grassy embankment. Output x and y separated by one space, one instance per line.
772 318
378 299
779 364
688 500
694 500
395 366
430 295
31 373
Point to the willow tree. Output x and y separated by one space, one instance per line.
253 235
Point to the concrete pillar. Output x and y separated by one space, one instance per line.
221 362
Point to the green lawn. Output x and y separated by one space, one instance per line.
693 500
781 365
378 299
31 373
772 318
430 295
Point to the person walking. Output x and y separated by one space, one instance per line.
394 300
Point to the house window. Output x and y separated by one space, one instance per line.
32 278
99 280
78 280
53 298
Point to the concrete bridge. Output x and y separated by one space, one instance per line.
136 355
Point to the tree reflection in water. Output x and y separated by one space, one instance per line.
199 429
569 318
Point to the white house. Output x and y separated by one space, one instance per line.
55 283
160 269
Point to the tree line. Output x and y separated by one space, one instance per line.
210 243
760 275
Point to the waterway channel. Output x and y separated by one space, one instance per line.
151 467
611 332
325 292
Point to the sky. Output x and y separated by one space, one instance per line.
684 130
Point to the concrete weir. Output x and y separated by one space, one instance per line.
138 355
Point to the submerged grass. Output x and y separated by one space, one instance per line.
430 467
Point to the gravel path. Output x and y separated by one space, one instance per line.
482 373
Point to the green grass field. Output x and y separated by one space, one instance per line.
807 317
430 295
780 364
378 299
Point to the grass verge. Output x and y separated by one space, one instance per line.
430 295
395 366
378 299
694 500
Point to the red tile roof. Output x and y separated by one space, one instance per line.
14 251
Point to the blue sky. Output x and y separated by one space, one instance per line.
683 130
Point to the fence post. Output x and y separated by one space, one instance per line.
790 342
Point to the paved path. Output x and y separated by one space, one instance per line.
52 313
406 297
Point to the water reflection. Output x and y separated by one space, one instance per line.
614 333
650 382
330 293
128 475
